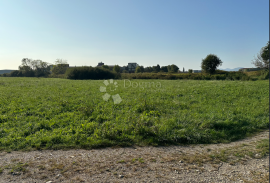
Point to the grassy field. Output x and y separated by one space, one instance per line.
61 114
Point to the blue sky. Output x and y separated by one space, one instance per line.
149 32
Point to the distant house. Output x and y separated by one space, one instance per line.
100 64
196 71
132 67
249 69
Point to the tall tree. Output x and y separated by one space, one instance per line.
138 69
262 58
41 68
158 68
172 68
142 68
31 68
164 69
154 69
60 66
116 68
106 67
148 69
210 63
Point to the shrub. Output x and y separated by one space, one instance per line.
14 73
90 73
124 71
264 74
170 76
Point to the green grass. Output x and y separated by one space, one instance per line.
60 114
263 147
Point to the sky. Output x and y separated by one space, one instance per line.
148 32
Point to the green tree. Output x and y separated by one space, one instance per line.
265 54
116 68
41 68
210 63
262 58
158 68
26 65
138 69
164 69
148 69
15 73
190 71
142 68
154 69
60 67
106 67
172 68
31 68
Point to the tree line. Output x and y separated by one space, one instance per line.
141 69
39 68
155 69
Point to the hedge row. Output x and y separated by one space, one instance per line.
194 76
94 73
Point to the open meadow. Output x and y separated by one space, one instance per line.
50 113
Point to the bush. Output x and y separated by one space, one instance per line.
264 74
94 73
236 76
57 76
170 77
124 71
16 73
221 72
